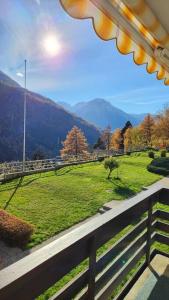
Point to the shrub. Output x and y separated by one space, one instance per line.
159 166
151 154
13 230
111 164
163 153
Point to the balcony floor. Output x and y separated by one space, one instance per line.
153 284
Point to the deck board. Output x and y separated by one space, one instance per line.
153 284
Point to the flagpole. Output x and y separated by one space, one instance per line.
24 117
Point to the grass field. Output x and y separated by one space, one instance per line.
53 201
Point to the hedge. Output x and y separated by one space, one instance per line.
159 166
13 230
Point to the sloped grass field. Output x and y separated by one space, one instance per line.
55 201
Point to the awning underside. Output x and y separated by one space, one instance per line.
139 27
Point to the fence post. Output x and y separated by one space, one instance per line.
149 230
92 269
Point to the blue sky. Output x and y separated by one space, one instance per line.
86 68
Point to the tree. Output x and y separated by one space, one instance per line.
116 140
106 137
38 154
162 128
111 164
147 128
75 144
123 131
128 139
137 138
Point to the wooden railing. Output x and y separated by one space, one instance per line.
35 273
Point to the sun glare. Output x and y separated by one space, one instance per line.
52 45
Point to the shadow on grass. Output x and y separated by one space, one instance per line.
121 188
124 191
14 192
62 171
30 181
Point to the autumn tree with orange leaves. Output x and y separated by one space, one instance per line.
116 139
162 128
75 144
106 137
147 129
128 139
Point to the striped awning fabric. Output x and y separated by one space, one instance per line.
140 27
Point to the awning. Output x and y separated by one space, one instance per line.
140 27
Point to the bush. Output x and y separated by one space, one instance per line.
13 230
159 166
151 154
163 153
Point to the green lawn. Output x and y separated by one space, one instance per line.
53 201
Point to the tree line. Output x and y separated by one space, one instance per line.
153 131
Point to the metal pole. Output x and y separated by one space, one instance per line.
24 122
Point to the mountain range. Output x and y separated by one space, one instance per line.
102 113
47 123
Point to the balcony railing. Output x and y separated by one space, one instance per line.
35 273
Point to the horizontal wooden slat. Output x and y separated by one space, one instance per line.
131 214
120 260
129 284
162 238
163 215
162 226
119 276
120 245
73 287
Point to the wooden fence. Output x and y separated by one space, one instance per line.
35 273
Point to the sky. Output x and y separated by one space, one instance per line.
84 69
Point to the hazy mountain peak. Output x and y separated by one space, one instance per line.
102 113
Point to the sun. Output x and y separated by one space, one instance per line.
52 45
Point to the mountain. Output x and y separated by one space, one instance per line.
5 79
47 123
66 105
102 113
